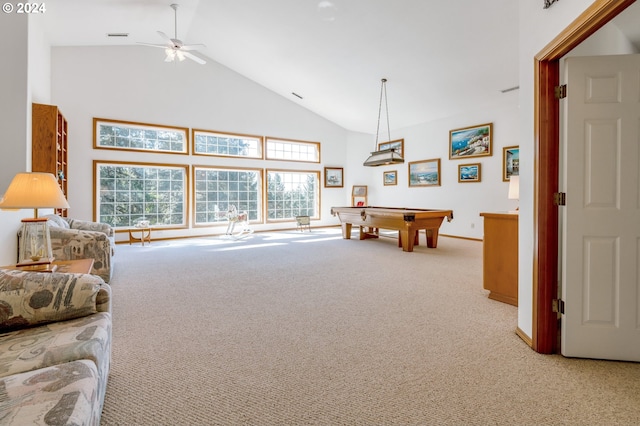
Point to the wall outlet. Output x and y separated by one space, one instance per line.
473 225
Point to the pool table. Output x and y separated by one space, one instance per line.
407 221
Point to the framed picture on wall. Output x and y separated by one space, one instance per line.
333 177
390 177
469 142
424 173
469 172
398 145
359 195
510 162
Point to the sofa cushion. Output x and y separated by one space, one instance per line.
87 338
37 347
64 394
32 298
55 220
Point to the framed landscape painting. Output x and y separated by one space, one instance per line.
333 177
398 145
390 177
510 162
424 173
469 142
469 172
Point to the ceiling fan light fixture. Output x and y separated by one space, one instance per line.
386 156
174 48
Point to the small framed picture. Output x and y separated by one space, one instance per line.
333 177
510 162
359 191
469 142
390 177
424 173
469 172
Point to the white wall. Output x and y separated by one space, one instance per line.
609 40
430 141
134 83
23 77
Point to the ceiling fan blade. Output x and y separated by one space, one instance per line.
192 46
194 58
165 37
162 46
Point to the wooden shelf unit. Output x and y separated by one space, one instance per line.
49 145
500 256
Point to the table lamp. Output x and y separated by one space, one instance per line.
34 191
514 188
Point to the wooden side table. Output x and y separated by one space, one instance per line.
500 256
145 235
78 266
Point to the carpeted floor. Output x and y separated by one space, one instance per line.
305 328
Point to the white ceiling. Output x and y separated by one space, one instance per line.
439 56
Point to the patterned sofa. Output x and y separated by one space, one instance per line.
80 239
55 347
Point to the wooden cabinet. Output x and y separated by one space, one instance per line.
500 256
49 144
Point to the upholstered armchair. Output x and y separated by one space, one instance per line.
79 239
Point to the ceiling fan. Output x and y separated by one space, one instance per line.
173 47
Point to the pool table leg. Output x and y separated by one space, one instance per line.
416 240
432 237
346 231
407 240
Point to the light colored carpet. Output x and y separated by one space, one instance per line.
308 329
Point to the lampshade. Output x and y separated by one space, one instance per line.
34 191
514 187
385 156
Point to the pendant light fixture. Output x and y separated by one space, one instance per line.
386 156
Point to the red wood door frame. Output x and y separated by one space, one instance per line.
547 163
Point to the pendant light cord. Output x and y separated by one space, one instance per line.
383 92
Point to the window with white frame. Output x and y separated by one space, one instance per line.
207 142
129 192
123 135
291 150
216 190
292 193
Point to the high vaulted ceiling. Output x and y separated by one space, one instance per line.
440 57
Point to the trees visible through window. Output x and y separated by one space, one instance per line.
227 144
217 189
139 137
290 150
130 192
292 193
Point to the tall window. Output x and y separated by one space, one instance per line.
292 193
128 192
226 144
124 135
217 189
285 149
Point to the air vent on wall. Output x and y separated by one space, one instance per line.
510 89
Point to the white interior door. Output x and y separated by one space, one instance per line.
601 220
